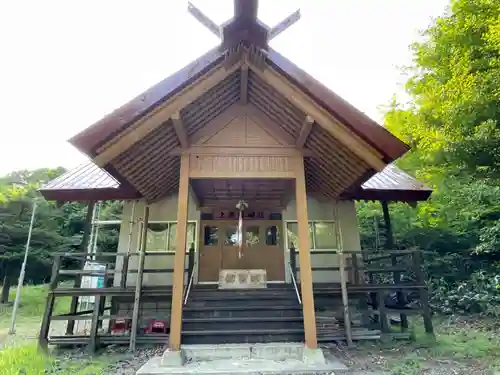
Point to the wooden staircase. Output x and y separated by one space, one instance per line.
213 316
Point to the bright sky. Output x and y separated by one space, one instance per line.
64 64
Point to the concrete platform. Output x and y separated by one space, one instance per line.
248 359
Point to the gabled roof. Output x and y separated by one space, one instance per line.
138 143
392 184
377 136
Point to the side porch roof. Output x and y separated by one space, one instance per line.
89 182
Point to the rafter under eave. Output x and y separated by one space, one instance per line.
180 130
302 101
146 125
304 131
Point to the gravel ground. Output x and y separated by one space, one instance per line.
361 361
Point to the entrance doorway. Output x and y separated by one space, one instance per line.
262 248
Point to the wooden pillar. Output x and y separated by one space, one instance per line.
83 248
49 306
180 256
138 282
306 285
424 292
396 275
389 238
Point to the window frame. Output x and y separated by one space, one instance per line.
169 223
313 234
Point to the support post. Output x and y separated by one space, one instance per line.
396 275
306 285
424 293
49 306
293 260
78 281
343 281
180 256
190 261
126 258
138 282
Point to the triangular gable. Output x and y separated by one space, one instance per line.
241 131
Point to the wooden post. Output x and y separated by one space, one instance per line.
191 261
95 324
384 323
293 260
180 256
396 275
306 284
138 282
83 248
343 282
126 258
49 306
424 293
355 269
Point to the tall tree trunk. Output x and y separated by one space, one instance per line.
5 289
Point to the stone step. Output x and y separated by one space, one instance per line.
249 323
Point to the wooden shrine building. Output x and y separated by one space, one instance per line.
239 176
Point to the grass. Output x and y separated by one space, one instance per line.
460 343
20 355
28 360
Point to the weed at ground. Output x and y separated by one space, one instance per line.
24 360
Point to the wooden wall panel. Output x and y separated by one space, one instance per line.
244 166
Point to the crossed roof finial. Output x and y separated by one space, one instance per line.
244 26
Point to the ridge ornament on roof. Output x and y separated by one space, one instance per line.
244 28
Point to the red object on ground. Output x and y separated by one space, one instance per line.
157 326
120 326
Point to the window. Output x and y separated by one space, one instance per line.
162 236
322 235
231 235
252 235
292 234
210 235
272 235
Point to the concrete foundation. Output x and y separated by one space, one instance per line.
278 358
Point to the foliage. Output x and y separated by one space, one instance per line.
56 227
452 123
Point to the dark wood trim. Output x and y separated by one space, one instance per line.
374 134
78 195
97 134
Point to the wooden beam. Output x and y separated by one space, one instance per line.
306 285
204 20
180 130
285 24
244 85
241 150
180 255
303 102
304 131
147 124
